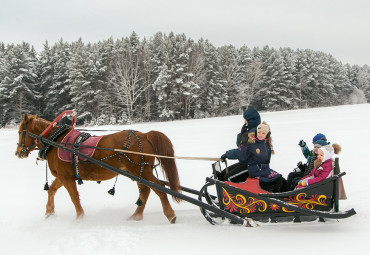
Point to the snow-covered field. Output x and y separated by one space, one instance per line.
105 230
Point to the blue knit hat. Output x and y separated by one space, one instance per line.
319 143
319 136
253 118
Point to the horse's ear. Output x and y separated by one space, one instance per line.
25 117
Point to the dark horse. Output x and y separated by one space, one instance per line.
153 142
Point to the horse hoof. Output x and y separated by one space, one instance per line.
173 220
80 216
136 217
48 215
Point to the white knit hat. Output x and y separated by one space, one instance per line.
328 152
264 127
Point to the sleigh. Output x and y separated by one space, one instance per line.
248 200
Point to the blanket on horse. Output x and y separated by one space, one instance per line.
70 139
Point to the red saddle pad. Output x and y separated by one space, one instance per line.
70 139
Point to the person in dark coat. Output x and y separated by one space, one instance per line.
302 170
238 172
257 153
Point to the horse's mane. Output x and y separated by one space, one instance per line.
40 123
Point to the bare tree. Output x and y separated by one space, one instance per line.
126 78
252 77
195 77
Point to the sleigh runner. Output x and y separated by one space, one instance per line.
239 203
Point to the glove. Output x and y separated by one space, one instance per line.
301 166
303 183
223 157
244 129
302 143
244 139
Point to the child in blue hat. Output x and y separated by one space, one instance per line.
323 166
302 170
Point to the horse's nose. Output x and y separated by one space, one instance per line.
17 153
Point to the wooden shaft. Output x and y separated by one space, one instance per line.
161 156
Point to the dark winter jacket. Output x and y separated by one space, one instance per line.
257 154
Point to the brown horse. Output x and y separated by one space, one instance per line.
153 142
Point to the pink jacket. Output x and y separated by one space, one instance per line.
323 172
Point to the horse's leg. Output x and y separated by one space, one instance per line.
144 194
167 209
71 187
51 193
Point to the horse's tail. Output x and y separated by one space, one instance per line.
163 146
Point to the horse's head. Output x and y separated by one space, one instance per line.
26 143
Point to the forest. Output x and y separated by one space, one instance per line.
168 77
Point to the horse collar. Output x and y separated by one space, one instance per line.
54 136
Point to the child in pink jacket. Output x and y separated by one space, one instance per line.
323 166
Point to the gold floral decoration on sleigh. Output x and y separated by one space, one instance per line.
241 204
302 201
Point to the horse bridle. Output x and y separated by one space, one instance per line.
23 141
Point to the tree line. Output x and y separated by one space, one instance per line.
168 77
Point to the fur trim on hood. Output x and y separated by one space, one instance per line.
328 152
337 148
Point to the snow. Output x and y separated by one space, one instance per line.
105 230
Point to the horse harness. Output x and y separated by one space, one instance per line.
76 146
23 142
45 148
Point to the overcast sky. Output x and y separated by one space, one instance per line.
337 27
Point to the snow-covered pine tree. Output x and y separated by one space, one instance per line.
302 73
311 78
159 72
247 78
45 71
3 97
82 90
18 93
213 95
351 72
264 56
339 79
144 103
229 68
57 97
177 63
289 88
363 79
107 113
194 80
